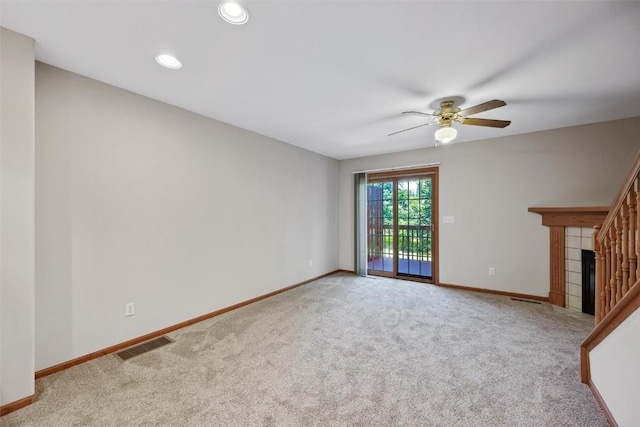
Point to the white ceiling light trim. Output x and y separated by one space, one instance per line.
446 134
168 61
233 13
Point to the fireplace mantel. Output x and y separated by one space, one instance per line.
557 218
572 217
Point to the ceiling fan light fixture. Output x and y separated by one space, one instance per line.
446 134
233 13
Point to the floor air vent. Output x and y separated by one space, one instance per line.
525 300
139 349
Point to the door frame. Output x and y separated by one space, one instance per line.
431 172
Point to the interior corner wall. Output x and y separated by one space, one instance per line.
139 201
488 185
17 151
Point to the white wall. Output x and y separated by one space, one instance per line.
615 371
488 185
139 201
17 151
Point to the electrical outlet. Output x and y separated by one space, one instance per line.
310 263
130 309
492 271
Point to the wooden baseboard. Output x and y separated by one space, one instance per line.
14 406
469 288
603 405
556 299
115 348
585 366
491 291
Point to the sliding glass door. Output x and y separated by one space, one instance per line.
414 226
401 232
380 216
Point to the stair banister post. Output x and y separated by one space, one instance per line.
625 247
633 227
607 274
600 273
618 230
637 238
614 263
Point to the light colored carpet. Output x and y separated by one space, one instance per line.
343 350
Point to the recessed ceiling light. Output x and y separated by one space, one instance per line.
233 13
168 61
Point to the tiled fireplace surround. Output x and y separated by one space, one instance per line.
576 239
570 231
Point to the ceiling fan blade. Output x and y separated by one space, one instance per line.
485 122
415 127
417 112
489 105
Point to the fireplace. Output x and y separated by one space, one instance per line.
570 232
588 282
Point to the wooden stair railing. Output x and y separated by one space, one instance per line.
617 246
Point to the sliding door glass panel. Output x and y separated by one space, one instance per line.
414 226
380 226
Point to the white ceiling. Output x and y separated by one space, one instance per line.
334 76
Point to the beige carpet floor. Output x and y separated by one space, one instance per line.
342 351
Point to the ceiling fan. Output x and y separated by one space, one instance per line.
447 114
